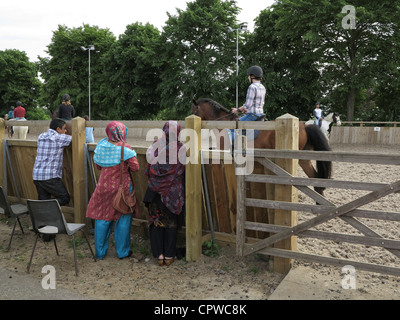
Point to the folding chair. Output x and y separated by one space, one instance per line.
47 218
12 211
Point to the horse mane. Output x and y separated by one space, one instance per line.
216 106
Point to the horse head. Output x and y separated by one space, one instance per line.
336 119
208 109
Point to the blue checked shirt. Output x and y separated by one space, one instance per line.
49 158
255 98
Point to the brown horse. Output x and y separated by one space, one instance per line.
310 137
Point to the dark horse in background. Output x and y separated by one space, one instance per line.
310 137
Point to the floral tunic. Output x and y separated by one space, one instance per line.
100 204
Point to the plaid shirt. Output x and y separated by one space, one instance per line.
49 158
255 98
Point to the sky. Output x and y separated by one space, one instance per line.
28 25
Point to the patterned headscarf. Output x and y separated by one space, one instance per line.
116 131
108 155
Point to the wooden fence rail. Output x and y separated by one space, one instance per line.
325 211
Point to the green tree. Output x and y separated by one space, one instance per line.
313 44
67 69
198 55
18 80
291 77
132 73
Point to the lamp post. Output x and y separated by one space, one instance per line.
243 27
89 48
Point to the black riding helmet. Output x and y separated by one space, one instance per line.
66 97
256 71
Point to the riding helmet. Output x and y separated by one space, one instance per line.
255 71
66 97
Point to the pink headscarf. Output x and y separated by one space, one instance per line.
116 131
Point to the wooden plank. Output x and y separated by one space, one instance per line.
333 213
221 198
323 235
193 191
370 267
230 178
256 125
241 215
78 168
314 182
2 154
286 137
369 157
319 209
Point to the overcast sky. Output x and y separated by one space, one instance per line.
28 25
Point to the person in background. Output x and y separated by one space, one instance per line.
47 170
89 132
66 110
11 113
19 111
10 116
165 195
107 156
318 115
253 108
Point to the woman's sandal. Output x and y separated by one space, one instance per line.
168 262
160 262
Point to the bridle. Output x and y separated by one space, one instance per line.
220 108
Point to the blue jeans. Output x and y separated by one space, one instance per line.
248 117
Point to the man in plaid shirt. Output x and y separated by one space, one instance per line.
47 171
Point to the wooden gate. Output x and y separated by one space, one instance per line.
326 210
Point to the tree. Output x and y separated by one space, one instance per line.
198 55
291 77
345 49
132 73
18 80
66 71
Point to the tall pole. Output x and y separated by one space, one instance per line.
89 48
243 27
237 67
89 83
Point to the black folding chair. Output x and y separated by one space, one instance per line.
12 211
47 218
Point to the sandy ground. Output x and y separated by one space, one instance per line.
222 277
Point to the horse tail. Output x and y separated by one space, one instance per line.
317 140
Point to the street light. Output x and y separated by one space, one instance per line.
242 27
89 48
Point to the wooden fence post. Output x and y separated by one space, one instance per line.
78 168
193 189
287 138
2 142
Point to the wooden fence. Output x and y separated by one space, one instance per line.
371 135
80 176
240 208
325 211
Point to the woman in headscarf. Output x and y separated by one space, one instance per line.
107 157
165 194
